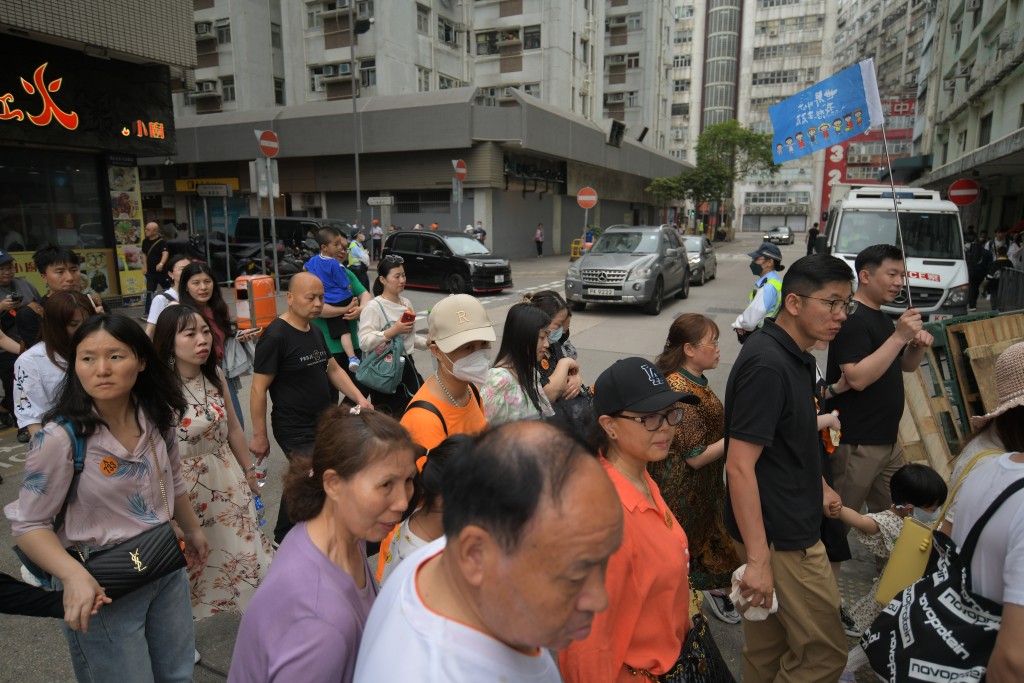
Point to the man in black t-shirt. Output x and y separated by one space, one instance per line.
777 494
873 354
812 237
293 365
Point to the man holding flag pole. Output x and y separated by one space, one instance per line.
802 638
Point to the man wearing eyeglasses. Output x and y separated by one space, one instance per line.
776 487
873 354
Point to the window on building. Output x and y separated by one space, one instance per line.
634 22
279 91
364 9
585 51
985 130
367 72
423 20
682 37
532 89
680 61
223 27
227 88
680 110
446 33
777 77
422 79
683 11
633 99
275 36
633 60
316 75
681 85
314 14
531 37
487 43
446 82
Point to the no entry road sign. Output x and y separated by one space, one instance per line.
460 169
587 198
269 144
964 191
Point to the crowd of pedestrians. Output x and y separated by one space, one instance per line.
527 524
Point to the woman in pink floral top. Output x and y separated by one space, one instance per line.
218 471
123 404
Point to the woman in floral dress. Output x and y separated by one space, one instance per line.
690 478
218 472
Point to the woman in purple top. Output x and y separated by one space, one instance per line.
307 617
123 404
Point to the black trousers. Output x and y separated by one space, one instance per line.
291 448
7 377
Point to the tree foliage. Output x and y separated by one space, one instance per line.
726 153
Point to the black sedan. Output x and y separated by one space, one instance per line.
451 261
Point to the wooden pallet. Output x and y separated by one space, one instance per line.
922 434
978 333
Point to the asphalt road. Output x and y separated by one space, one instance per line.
34 650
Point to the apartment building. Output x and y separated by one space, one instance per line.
972 93
87 90
785 46
637 62
410 89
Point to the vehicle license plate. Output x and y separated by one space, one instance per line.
499 278
601 292
942 316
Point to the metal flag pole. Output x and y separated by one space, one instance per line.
896 209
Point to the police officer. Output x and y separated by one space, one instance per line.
766 297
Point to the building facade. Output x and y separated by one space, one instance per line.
365 79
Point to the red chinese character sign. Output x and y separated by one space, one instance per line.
55 96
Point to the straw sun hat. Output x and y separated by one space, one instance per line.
1009 383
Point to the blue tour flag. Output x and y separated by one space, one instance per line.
832 111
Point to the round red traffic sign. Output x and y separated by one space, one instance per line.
587 198
964 191
269 144
460 170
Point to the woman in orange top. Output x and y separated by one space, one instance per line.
641 634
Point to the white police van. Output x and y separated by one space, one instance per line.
932 235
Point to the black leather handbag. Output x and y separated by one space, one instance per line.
140 560
700 660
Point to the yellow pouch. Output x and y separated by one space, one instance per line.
907 561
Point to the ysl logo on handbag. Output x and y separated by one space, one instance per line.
137 561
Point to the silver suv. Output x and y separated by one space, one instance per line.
630 265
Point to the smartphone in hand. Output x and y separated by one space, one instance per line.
248 332
408 317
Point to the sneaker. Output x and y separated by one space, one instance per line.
7 420
353 364
23 435
848 624
721 606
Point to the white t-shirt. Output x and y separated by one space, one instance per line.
997 570
988 440
404 544
35 384
405 641
160 302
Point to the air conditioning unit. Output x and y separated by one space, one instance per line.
310 199
616 21
318 83
790 200
958 27
949 84
615 97
1006 40
616 59
677 134
206 86
964 71
773 33
785 182
203 28
329 70
973 6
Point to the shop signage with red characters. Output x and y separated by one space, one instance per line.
56 96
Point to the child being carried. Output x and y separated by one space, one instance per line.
337 288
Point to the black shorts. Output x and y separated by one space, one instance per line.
337 325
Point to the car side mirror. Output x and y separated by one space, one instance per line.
312 245
438 252
671 251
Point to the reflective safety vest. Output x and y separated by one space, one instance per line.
776 283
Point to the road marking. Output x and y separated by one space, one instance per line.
487 300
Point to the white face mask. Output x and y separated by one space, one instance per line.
924 516
473 368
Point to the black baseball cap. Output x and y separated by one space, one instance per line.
5 257
635 384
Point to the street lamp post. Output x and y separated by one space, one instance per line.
355 29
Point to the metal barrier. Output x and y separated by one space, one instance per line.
1010 295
